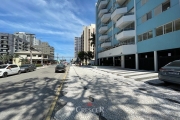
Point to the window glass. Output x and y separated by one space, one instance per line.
168 28
149 15
177 24
144 36
159 31
139 38
149 34
166 5
144 18
174 64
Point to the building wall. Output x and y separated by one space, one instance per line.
87 31
166 41
6 43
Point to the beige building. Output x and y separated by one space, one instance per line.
87 30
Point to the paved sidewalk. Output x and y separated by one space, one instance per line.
90 94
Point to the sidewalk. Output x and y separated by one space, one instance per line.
94 94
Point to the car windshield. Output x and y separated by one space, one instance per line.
174 64
3 66
60 65
24 65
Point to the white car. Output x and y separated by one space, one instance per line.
9 69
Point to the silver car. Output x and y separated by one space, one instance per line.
170 73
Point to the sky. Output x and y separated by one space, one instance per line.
54 21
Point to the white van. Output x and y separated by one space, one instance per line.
9 69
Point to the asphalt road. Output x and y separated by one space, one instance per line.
28 96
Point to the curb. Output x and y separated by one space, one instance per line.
49 114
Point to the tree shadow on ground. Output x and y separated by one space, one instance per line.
120 100
28 99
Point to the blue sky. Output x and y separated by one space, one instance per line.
54 21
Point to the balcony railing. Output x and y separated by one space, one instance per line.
106 17
125 34
102 4
120 2
118 12
125 20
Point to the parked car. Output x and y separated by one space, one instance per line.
170 73
27 67
9 69
60 68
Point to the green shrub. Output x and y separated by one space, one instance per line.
39 65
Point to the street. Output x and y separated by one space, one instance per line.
28 96
95 93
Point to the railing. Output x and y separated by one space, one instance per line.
126 29
126 14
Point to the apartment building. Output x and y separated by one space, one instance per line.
6 43
45 49
137 34
78 46
86 35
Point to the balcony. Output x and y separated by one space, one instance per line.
125 21
106 44
102 4
118 13
120 50
120 2
125 34
103 37
4 43
103 29
105 17
101 12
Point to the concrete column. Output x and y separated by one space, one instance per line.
155 61
122 61
113 61
137 61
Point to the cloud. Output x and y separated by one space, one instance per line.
60 19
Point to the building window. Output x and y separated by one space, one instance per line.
143 2
159 31
149 15
145 36
166 5
168 28
150 34
177 25
146 17
139 38
158 10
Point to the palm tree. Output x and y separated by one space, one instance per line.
90 55
93 39
81 55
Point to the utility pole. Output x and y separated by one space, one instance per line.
30 40
57 58
42 56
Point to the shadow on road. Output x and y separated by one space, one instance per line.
28 99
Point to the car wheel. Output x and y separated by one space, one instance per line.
19 72
4 75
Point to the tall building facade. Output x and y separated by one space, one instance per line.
45 49
86 35
6 43
137 34
78 46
